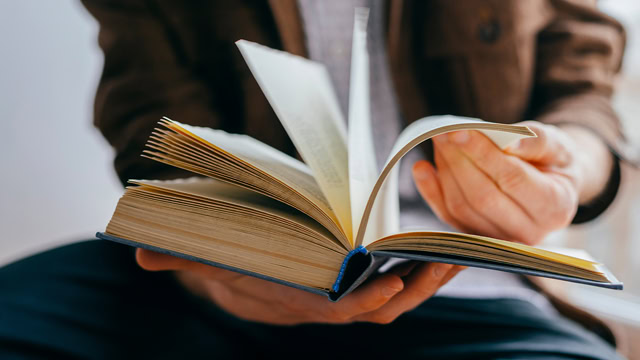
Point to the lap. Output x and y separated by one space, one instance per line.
91 300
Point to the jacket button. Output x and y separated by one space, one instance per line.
489 32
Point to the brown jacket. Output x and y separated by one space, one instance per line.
500 60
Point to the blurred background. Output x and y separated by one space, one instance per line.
57 184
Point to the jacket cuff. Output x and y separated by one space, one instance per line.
597 206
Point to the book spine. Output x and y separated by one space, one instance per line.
360 249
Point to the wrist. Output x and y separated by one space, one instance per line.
594 162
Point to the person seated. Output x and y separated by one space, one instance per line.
552 61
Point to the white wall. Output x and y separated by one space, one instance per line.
56 180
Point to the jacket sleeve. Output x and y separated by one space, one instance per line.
146 76
579 58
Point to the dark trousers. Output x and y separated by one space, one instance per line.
91 300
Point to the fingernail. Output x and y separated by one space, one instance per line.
440 269
459 137
441 139
389 291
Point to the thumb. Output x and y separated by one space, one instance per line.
548 148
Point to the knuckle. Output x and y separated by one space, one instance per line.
370 305
511 178
422 292
482 154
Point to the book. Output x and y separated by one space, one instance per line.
323 225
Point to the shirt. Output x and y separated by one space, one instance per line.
328 27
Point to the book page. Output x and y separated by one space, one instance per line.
228 226
556 255
363 171
300 92
568 262
277 164
426 128
485 252
572 252
205 190
246 162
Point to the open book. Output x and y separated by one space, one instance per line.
324 225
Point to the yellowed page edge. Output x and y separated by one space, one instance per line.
539 252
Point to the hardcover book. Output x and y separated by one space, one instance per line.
323 225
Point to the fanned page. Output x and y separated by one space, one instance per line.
244 161
300 93
363 170
421 130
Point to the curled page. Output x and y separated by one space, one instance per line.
300 92
363 171
421 130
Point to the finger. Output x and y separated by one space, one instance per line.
308 307
429 187
457 204
453 272
420 285
248 307
545 149
515 177
155 261
403 269
286 304
311 307
487 199
367 298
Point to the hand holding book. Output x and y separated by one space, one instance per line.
380 300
